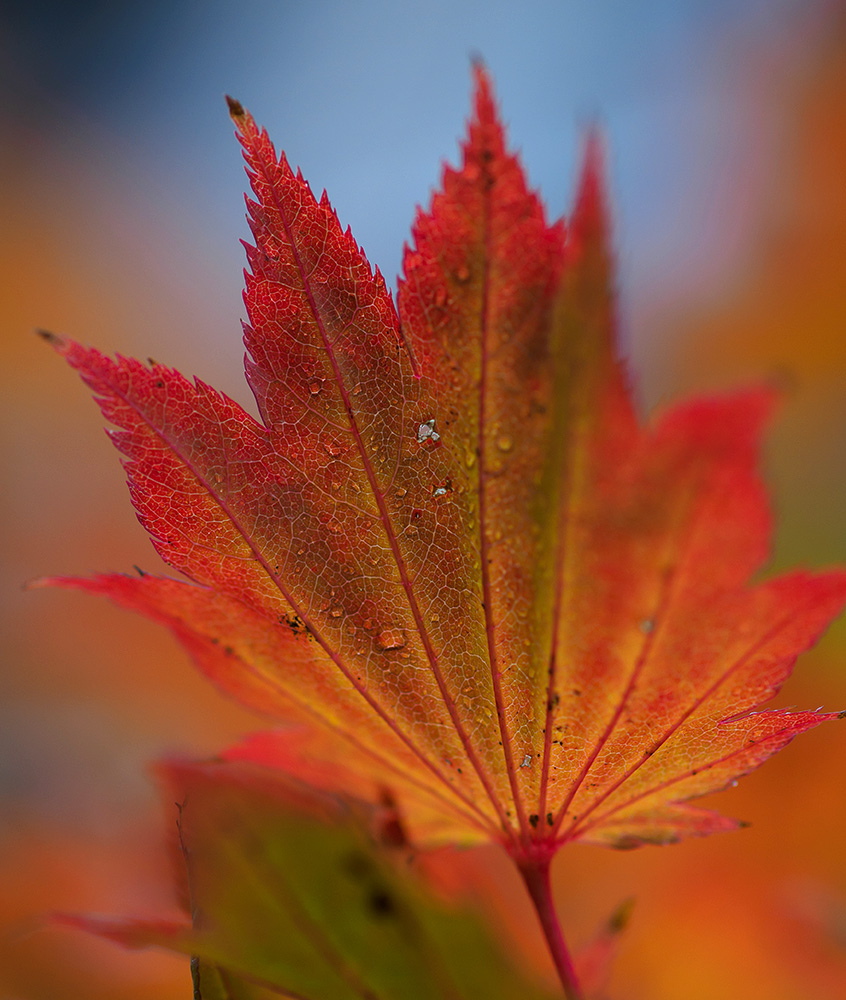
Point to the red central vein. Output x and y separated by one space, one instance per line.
741 661
484 547
641 661
384 515
565 520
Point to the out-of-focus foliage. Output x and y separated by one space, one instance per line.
290 888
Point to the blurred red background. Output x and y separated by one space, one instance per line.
90 693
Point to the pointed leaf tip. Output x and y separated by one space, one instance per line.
480 70
52 338
590 215
236 109
484 97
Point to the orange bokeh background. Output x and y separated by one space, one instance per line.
92 693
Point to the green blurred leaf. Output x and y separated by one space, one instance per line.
291 892
213 983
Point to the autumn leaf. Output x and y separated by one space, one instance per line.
448 548
292 896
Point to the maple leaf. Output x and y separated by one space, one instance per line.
448 547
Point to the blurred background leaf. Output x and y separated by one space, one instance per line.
289 888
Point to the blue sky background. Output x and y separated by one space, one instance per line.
370 97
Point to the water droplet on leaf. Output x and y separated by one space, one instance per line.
426 431
391 638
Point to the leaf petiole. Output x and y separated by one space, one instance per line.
535 872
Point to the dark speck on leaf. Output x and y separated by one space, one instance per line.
295 624
381 904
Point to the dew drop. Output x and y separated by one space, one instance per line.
504 443
336 611
527 761
401 493
647 625
442 488
440 296
334 447
426 431
462 275
391 638
315 388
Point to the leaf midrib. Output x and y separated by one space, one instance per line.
384 516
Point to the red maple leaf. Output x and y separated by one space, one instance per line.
448 547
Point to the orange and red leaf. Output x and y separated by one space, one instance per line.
449 551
